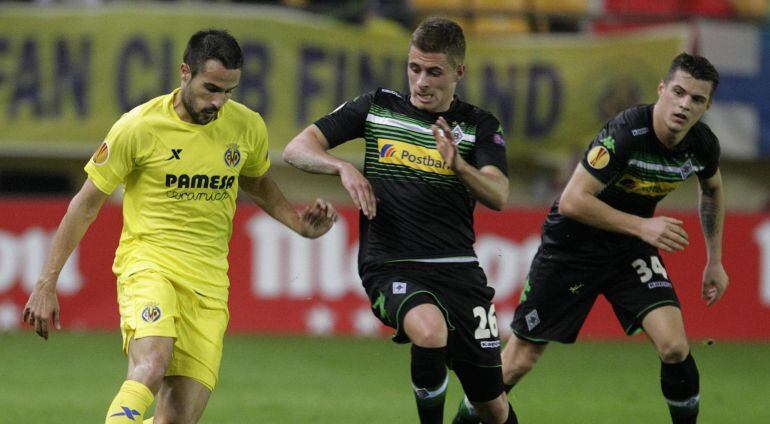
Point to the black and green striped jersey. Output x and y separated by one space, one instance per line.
423 209
638 171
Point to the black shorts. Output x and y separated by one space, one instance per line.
460 291
561 290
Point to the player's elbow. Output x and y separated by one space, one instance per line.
568 205
291 153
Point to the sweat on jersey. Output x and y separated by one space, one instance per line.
424 211
181 182
638 172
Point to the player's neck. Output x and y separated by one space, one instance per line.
180 109
668 138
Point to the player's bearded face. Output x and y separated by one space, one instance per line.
432 80
204 94
682 101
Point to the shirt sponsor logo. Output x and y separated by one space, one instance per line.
232 156
102 154
598 157
399 287
411 156
217 182
631 184
636 132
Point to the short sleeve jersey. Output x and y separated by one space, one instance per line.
424 211
638 172
181 182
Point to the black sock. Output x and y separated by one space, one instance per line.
512 419
680 384
429 380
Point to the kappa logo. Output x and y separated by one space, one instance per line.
399 287
533 319
489 344
151 313
102 154
636 132
175 154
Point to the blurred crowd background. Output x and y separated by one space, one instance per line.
553 71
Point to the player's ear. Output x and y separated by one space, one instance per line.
460 71
184 72
661 87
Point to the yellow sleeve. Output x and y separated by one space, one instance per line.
258 160
115 157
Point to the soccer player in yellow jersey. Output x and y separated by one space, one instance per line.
182 158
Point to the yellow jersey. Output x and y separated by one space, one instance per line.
181 182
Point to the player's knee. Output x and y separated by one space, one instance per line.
426 328
149 369
519 362
673 351
494 411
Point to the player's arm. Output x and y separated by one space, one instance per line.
488 185
43 306
579 201
308 151
712 213
312 222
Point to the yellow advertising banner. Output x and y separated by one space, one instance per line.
66 74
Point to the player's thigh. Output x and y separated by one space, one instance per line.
395 291
181 399
147 303
639 285
425 325
556 299
520 356
201 328
665 328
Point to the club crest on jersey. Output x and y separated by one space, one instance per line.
151 313
232 156
686 169
399 287
598 157
457 134
101 154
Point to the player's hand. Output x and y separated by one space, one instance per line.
360 191
665 233
317 219
715 281
42 308
445 144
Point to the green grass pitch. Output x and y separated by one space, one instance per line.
73 377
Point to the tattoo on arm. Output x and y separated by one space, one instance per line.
709 212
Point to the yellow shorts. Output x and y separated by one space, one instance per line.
152 305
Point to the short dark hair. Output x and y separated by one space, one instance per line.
440 35
698 66
212 44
